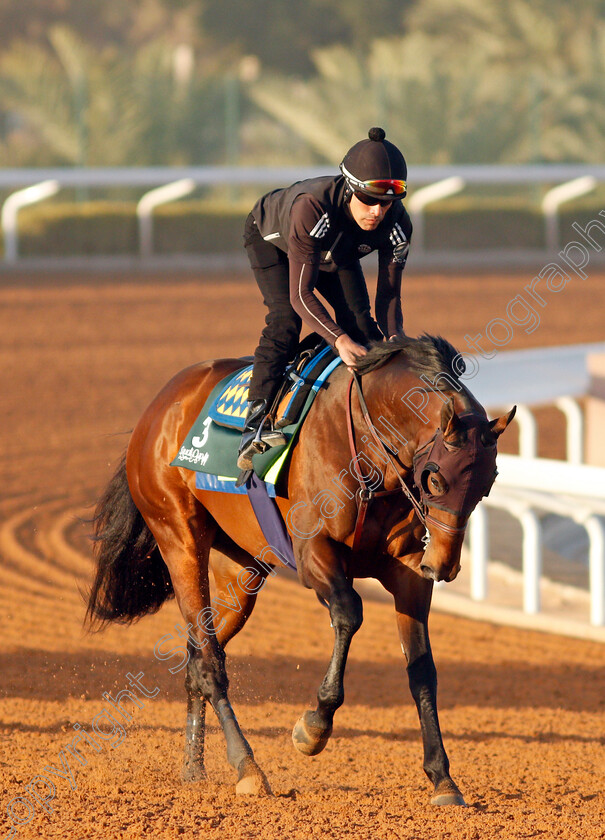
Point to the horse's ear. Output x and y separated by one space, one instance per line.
450 423
498 425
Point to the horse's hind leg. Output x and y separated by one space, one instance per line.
313 729
184 533
234 602
193 762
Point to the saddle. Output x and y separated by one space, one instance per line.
210 447
312 358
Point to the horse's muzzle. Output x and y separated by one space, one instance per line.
429 573
437 575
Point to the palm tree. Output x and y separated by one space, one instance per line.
79 105
470 81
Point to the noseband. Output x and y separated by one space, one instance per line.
429 458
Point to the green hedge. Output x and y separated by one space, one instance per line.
112 228
468 223
106 228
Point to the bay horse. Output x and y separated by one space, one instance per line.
412 486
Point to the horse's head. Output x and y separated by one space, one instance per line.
453 471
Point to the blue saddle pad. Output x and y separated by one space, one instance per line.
210 447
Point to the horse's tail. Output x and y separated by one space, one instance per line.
131 577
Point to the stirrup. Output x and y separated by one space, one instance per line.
244 459
258 445
272 437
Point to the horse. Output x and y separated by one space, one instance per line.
395 511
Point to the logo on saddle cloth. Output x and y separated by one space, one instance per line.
229 408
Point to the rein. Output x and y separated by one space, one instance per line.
365 494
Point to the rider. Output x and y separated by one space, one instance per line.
309 238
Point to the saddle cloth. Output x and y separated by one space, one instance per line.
230 406
211 445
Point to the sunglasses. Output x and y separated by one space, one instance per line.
371 202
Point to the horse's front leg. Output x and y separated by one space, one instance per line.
412 595
324 573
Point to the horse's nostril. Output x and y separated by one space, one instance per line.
427 572
453 574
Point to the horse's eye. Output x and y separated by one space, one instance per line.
437 484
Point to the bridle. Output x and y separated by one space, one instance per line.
366 494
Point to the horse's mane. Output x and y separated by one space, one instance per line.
427 354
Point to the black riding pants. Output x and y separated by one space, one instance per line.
345 292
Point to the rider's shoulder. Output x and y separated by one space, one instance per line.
399 216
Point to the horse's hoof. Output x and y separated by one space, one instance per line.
307 738
252 781
191 772
448 794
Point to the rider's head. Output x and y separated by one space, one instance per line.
375 170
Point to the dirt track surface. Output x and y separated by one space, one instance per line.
522 713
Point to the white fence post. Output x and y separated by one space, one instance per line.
10 210
574 433
153 199
479 535
528 432
596 561
532 561
557 196
426 195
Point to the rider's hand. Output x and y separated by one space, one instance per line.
349 351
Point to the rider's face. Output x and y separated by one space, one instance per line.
367 216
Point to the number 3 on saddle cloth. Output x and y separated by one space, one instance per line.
210 448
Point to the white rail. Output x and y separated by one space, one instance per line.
528 486
575 429
452 178
557 196
10 211
544 376
524 488
427 195
155 198
157 175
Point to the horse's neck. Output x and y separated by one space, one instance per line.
405 411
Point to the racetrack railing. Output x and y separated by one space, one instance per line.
527 487
432 184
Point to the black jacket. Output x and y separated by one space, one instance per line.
312 223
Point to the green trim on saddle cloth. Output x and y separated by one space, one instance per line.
212 448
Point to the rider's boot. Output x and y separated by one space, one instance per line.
258 434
